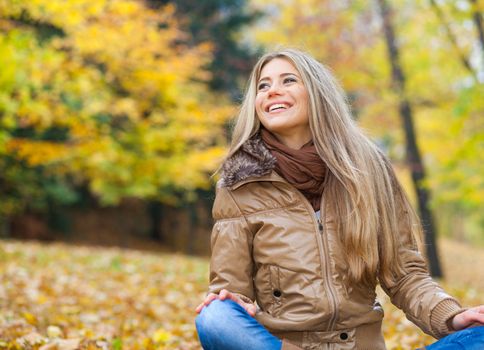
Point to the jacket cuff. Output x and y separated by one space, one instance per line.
442 315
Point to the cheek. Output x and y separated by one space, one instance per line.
304 96
305 102
258 104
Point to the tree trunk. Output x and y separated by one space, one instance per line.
477 17
4 227
193 224
412 152
156 215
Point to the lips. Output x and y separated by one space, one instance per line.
277 106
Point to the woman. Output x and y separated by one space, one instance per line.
309 218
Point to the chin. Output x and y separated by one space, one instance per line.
274 128
274 123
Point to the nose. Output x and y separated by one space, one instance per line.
275 89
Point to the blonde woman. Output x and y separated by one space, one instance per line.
309 219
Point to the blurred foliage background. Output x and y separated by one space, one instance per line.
103 101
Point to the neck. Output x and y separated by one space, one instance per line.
294 141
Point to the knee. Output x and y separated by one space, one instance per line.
212 317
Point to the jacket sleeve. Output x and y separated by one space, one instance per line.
231 264
423 301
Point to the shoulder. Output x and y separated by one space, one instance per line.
225 206
252 159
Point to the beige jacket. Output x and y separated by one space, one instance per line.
269 247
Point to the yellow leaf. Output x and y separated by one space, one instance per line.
30 318
161 336
42 299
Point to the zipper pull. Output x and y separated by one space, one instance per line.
320 225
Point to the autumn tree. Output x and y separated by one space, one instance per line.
104 94
222 23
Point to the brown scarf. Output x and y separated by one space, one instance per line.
302 168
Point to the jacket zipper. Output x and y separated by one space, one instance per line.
328 276
322 245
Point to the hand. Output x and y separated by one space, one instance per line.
471 317
225 294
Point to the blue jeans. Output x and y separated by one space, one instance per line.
225 325
466 339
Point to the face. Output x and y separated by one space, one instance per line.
282 103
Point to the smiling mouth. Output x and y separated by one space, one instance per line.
278 107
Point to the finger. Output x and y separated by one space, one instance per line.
211 297
479 309
233 297
476 317
208 299
251 309
238 300
224 294
199 307
468 318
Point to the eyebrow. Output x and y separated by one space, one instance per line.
280 75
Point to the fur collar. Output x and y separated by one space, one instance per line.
252 159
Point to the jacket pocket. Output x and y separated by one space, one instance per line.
268 289
280 290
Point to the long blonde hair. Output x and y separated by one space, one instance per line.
374 217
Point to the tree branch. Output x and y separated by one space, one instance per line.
453 39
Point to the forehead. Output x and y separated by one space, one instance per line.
276 67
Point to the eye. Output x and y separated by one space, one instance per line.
290 80
263 86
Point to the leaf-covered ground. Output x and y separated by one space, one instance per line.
57 296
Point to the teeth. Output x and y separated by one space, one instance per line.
276 106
